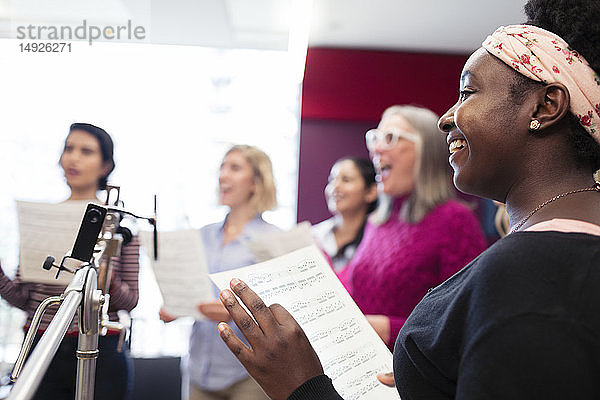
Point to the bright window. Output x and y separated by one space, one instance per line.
172 112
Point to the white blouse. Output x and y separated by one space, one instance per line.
323 233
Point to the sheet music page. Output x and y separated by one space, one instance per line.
181 271
274 244
47 230
351 352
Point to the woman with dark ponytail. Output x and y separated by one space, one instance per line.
90 159
522 320
87 161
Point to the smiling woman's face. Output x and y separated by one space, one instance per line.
484 129
346 190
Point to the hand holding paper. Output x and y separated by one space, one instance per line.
281 358
318 310
181 272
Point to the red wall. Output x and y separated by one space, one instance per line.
344 93
359 84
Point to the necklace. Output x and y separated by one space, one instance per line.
595 188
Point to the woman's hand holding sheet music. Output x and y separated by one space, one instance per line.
280 358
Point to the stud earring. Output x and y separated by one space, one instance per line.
534 125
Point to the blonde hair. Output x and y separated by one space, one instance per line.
432 180
265 196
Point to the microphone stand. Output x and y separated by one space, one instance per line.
82 295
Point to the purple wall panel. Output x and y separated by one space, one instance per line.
322 142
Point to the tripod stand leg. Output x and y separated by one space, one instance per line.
42 355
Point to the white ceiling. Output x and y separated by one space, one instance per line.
422 25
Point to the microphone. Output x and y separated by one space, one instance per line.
155 231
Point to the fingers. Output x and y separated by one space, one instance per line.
381 325
235 345
386 378
210 307
251 331
254 303
281 315
279 356
214 311
165 316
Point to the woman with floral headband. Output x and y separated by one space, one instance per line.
522 321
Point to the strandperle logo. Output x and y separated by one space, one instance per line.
83 31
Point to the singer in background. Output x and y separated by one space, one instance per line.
418 236
246 186
351 195
87 161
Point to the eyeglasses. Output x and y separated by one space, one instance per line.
387 139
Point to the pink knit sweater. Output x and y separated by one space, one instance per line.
396 263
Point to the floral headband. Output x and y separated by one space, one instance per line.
545 57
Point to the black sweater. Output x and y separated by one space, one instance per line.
522 321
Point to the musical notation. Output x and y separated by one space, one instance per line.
258 279
318 312
303 282
343 332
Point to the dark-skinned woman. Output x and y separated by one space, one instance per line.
521 321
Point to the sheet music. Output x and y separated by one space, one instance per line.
47 229
181 271
350 350
274 244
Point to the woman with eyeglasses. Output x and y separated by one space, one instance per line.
351 195
419 235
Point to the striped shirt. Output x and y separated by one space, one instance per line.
123 289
